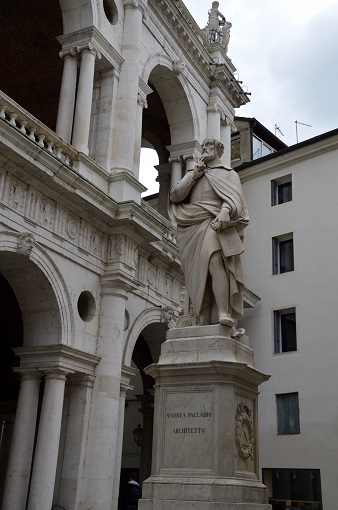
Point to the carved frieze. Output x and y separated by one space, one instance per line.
40 210
123 248
158 280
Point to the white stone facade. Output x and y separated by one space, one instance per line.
91 270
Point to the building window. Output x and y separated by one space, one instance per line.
288 413
260 148
282 254
281 190
285 338
235 148
293 488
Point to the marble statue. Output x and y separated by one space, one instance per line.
210 211
215 22
226 35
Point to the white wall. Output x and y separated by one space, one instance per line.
311 288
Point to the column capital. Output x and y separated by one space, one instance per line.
69 52
176 159
55 373
27 373
214 107
89 47
135 4
114 283
82 380
142 101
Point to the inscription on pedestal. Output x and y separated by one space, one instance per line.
188 430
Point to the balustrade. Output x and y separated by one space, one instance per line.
33 129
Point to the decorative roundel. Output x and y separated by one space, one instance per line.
244 431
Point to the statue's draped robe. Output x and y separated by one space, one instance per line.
193 206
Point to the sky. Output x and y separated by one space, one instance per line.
286 54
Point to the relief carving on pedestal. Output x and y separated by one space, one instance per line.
244 431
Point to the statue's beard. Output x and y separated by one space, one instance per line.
206 157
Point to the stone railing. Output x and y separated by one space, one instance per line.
170 233
36 131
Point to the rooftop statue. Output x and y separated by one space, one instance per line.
210 211
218 28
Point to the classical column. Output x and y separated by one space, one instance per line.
80 388
126 374
213 121
47 443
20 459
190 162
84 97
126 103
141 103
64 123
100 475
163 178
225 138
176 170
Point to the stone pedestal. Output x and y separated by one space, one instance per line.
205 451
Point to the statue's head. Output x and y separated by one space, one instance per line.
215 5
212 148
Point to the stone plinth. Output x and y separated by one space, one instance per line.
205 451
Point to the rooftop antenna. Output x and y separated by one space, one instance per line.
277 128
302 123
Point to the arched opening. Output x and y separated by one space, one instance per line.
11 327
148 173
29 56
167 122
29 317
139 408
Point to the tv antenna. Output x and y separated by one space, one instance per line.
302 123
277 128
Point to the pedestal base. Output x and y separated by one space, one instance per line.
205 424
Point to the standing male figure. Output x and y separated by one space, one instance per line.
210 211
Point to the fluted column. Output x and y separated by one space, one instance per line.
213 121
84 98
20 459
126 111
176 170
226 139
163 178
47 443
64 123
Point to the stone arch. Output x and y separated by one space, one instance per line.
39 288
171 84
78 14
147 317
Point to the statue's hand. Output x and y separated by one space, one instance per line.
198 170
221 221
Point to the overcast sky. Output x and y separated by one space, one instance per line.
286 54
